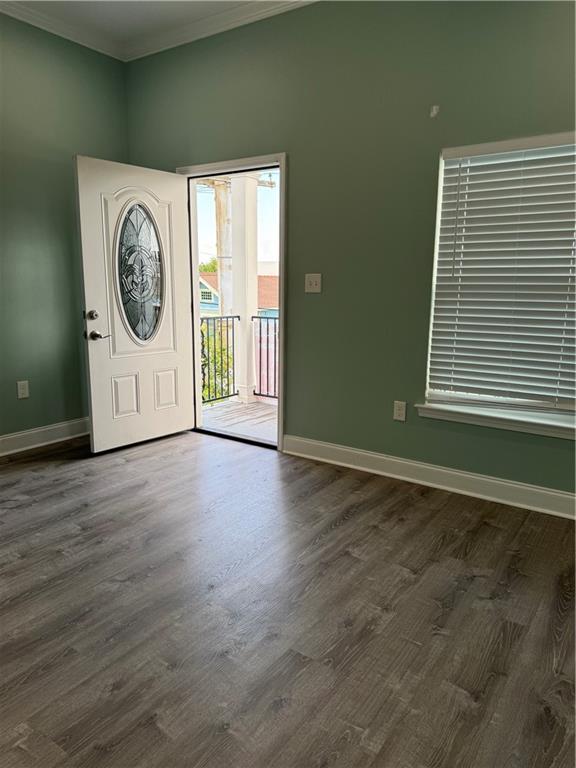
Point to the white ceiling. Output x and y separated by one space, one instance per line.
129 29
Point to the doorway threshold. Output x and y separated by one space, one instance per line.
237 438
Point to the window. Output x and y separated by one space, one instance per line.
140 272
205 295
502 328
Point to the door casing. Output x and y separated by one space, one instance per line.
235 166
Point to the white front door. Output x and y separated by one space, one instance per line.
135 255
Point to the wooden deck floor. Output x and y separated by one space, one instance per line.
256 421
201 603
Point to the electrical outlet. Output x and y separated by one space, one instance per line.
313 283
399 410
23 390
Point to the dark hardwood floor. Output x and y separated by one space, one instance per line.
200 603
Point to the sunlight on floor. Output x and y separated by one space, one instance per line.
255 421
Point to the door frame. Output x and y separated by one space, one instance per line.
235 166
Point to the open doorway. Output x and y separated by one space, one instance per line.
235 219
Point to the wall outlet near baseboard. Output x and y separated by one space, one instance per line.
23 389
399 410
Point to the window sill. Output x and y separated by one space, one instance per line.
549 424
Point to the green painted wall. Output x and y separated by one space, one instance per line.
57 99
345 89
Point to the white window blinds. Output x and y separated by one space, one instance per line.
503 321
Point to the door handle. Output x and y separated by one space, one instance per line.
96 336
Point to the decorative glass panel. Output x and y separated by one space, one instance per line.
140 272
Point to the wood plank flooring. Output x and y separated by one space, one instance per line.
199 603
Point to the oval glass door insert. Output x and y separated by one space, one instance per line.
140 272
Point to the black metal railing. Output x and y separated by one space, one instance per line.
217 355
266 353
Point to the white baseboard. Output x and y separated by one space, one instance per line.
535 497
35 438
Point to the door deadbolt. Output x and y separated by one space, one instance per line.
92 314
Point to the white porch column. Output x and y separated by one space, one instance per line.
223 203
244 278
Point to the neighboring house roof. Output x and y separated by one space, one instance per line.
267 291
267 288
211 280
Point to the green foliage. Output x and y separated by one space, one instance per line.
209 266
217 361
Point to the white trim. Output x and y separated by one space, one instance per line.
439 196
234 166
511 145
549 424
195 316
145 45
36 438
282 297
213 25
208 288
534 497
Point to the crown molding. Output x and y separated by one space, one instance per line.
145 45
71 32
213 25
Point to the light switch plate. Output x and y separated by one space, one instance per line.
23 390
399 410
313 283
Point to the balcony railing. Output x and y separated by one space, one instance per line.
217 351
266 354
